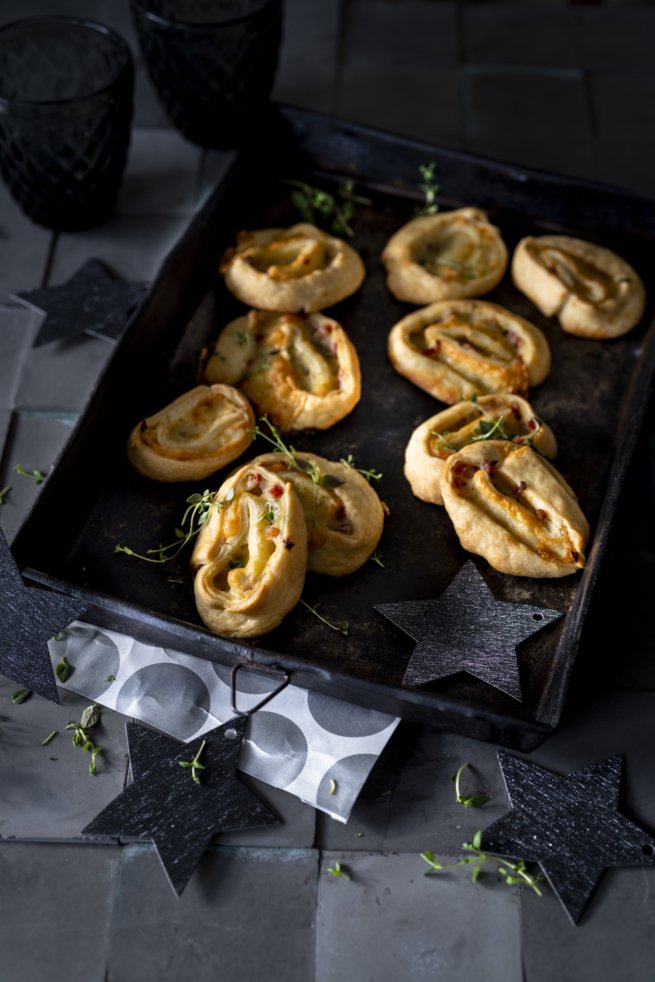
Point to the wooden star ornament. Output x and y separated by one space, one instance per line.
92 301
570 826
29 617
467 630
181 805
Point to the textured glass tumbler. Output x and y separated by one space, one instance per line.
212 62
66 95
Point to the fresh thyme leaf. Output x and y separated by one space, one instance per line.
195 764
268 515
82 736
341 628
63 669
3 494
109 678
430 188
370 475
195 516
20 696
376 558
50 737
333 212
442 442
337 870
240 336
491 431
57 637
469 801
512 872
333 786
34 475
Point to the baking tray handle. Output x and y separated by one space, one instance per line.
271 695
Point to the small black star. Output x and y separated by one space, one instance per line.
30 617
467 630
165 805
570 825
92 301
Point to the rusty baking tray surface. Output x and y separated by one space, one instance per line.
593 400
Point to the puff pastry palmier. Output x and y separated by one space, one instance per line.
455 349
505 416
446 256
593 292
194 436
291 269
301 370
343 513
512 507
250 557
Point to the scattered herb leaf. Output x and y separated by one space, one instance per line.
370 475
341 628
109 678
50 737
20 696
333 786
81 735
240 336
338 870
469 801
63 669
196 515
195 764
491 430
430 188
34 475
513 872
3 494
377 558
268 515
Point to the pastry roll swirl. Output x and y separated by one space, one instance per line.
294 269
446 256
512 507
194 436
250 557
456 349
300 370
343 513
496 417
592 291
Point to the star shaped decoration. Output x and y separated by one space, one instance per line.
166 805
570 826
29 616
92 301
467 630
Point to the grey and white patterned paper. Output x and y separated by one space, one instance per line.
313 746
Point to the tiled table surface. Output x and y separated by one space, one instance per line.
261 905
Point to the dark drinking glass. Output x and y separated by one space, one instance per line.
212 62
66 93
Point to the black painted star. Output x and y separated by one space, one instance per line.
467 630
29 617
570 825
92 301
166 805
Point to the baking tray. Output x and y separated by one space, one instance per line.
594 400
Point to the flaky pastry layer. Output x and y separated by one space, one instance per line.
509 505
456 349
593 292
496 417
291 269
194 436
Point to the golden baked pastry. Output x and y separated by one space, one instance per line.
512 507
291 269
455 349
194 436
250 557
301 370
494 417
592 291
343 513
445 256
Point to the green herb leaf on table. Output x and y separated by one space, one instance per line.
50 737
63 669
21 696
195 764
3 494
81 733
513 872
469 801
338 870
36 475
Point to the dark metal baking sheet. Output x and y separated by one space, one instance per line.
593 400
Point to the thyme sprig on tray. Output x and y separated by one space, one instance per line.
335 213
430 189
342 628
273 436
370 475
195 516
512 872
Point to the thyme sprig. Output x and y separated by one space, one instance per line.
495 430
513 872
370 475
342 628
195 516
469 801
3 494
195 764
430 188
338 870
82 733
319 207
309 467
36 475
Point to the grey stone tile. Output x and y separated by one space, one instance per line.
23 249
390 922
507 34
6 416
297 827
161 174
516 106
245 914
623 103
47 799
613 940
134 247
17 330
60 376
421 103
622 38
309 86
408 803
55 910
575 158
411 34
311 31
34 443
